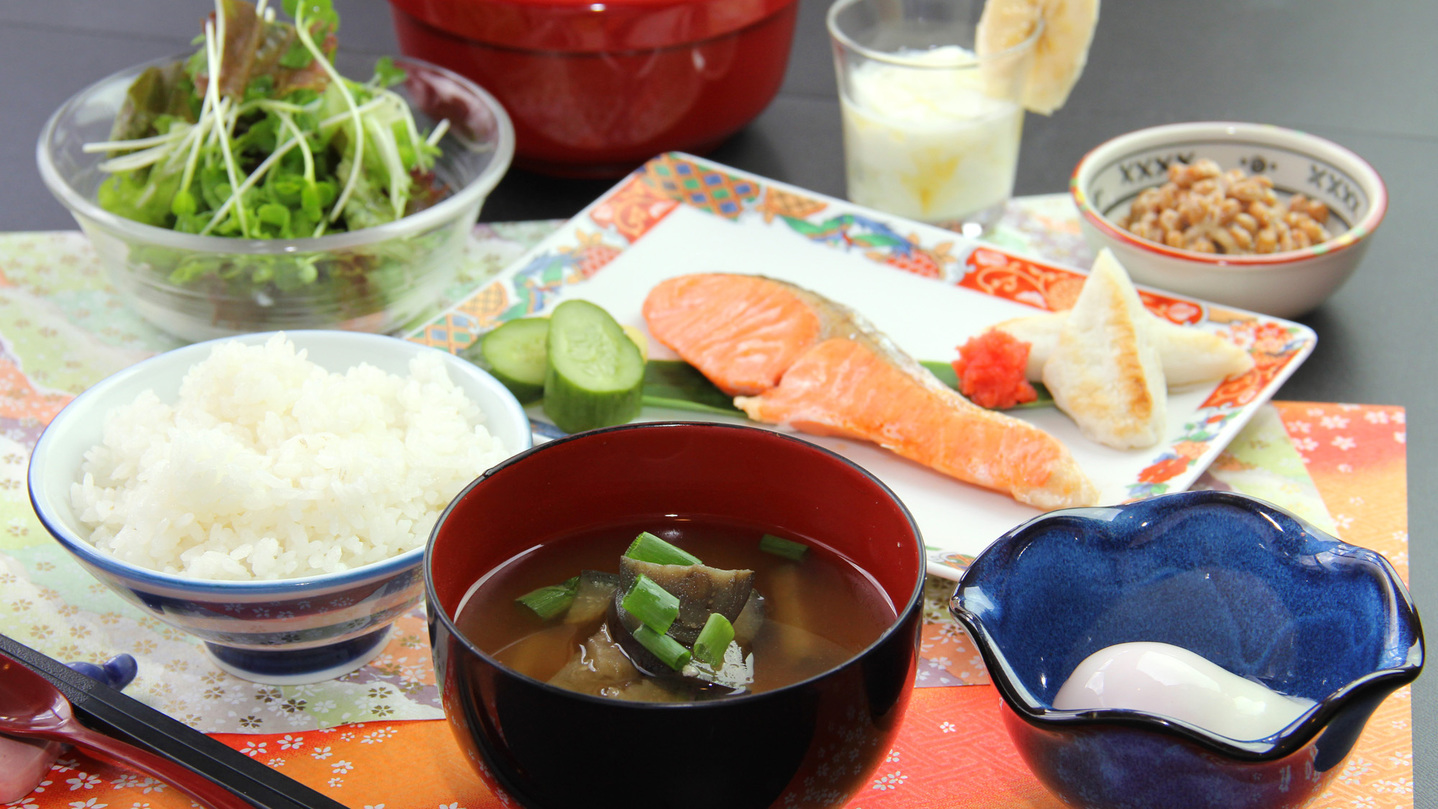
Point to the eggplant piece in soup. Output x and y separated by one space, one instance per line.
703 613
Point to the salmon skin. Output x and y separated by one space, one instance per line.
794 358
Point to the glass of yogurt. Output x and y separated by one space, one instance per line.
931 130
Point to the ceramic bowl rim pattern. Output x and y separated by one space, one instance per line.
1272 748
1098 158
248 590
447 209
442 614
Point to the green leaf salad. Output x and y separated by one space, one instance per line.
257 136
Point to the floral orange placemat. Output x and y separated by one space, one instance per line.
952 751
62 329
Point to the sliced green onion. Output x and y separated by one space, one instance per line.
714 640
670 651
649 548
654 606
547 602
779 546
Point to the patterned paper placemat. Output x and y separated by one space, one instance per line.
952 751
62 329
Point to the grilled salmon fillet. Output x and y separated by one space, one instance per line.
792 357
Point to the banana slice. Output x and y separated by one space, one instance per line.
1059 54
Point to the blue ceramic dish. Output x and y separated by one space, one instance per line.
288 631
1236 580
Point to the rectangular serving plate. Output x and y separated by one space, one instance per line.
928 288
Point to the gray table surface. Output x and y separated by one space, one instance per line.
1362 74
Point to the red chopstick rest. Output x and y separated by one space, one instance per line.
25 762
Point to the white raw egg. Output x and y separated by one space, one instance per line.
1169 681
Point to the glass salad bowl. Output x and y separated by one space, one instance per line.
379 278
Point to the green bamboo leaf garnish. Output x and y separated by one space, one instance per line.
945 373
677 384
943 370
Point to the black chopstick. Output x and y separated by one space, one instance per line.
102 708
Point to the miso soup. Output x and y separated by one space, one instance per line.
587 611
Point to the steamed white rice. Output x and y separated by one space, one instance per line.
271 467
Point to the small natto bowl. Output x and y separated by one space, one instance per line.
377 279
812 743
1238 581
285 631
1285 284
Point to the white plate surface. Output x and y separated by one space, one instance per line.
650 228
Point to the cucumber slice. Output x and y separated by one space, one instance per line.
515 354
595 376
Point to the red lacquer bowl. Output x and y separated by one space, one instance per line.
812 743
596 89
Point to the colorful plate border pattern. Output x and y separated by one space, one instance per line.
642 200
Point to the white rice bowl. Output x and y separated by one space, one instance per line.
270 467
